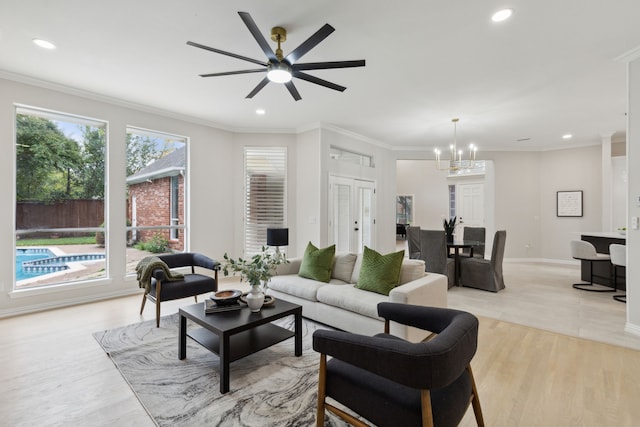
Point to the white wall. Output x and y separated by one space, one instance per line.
308 197
429 188
568 170
209 190
633 158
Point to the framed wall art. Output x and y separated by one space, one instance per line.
569 203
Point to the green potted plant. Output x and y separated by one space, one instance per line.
449 227
256 270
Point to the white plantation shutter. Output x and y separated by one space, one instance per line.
265 174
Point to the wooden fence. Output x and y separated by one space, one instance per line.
65 214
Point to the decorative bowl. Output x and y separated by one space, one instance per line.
226 297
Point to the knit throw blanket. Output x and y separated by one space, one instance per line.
145 268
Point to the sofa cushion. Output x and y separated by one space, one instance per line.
380 273
297 286
317 263
412 269
343 267
351 299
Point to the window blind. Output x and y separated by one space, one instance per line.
265 174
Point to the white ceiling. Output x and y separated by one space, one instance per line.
548 71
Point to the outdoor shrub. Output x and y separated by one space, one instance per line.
157 244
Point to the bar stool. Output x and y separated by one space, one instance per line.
585 251
618 258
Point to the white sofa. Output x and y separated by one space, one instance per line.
341 305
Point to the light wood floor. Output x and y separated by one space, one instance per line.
54 373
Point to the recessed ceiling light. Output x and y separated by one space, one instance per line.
260 112
44 44
502 15
567 136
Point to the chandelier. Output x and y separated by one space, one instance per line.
457 164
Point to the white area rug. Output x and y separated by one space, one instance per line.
269 388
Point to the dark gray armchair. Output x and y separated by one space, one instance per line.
393 382
485 274
191 285
434 253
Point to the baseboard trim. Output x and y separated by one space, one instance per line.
632 329
33 308
544 261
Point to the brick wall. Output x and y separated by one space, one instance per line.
153 206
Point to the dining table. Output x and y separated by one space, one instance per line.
458 246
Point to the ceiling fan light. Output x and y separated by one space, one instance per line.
279 73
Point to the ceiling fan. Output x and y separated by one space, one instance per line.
280 68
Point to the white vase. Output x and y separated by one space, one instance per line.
255 298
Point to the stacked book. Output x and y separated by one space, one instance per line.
210 306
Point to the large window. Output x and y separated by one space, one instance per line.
60 187
156 189
265 172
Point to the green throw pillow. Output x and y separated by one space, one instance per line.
317 263
379 273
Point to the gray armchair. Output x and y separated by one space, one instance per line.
191 285
483 273
393 382
433 251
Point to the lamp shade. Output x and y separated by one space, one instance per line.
277 236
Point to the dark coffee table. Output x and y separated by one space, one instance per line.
233 335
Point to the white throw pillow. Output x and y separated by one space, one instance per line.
343 266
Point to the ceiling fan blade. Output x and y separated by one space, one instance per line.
253 28
222 52
231 73
318 81
258 88
328 65
310 43
293 91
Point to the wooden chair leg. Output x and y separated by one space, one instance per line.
144 300
195 297
475 401
427 410
158 289
321 390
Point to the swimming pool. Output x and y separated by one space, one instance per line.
34 262
23 255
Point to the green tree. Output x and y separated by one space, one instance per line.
142 151
93 155
46 160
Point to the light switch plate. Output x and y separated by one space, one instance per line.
634 222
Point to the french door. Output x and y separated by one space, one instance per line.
351 214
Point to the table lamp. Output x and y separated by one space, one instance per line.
277 237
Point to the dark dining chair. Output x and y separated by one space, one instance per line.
433 251
477 234
485 274
392 382
413 241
